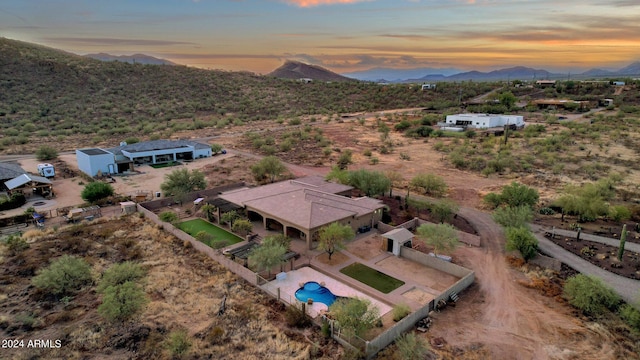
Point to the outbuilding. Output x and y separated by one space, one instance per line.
397 238
484 121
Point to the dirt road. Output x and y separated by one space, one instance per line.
512 321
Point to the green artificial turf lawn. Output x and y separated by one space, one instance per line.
372 277
192 227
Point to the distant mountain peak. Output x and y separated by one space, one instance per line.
131 59
292 69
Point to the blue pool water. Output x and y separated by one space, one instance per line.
313 290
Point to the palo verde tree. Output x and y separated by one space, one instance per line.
513 195
267 255
46 153
216 148
339 175
183 181
269 168
429 184
355 315
513 216
333 236
229 217
443 237
443 210
369 182
394 179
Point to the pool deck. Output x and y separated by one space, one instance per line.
422 283
291 283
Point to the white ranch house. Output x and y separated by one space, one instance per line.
484 121
123 158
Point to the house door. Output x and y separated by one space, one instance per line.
111 169
389 245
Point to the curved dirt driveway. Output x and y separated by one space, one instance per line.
510 320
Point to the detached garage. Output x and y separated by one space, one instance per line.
94 160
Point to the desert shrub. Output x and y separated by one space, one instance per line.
619 213
521 239
295 122
509 216
354 315
46 153
119 274
242 227
374 160
546 211
296 317
16 244
345 159
402 125
63 276
430 184
590 294
412 347
15 201
122 301
168 216
96 190
631 316
400 311
178 342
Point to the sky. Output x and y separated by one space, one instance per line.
341 35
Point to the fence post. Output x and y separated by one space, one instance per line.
278 290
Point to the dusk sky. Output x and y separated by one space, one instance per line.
341 35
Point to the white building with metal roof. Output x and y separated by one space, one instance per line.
119 159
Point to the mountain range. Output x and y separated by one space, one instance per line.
131 59
512 73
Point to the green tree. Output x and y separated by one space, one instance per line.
394 179
120 273
443 237
369 182
354 315
183 181
46 153
340 175
208 210
95 191
517 194
168 216
229 217
333 236
63 276
242 227
269 168
443 210
509 216
523 240
281 239
122 301
266 256
430 184
216 148
507 99
345 159
412 347
590 294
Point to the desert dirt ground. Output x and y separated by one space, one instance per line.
498 317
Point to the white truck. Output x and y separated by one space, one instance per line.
47 170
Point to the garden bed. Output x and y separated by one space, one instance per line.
603 256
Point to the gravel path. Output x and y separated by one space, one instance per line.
627 288
631 246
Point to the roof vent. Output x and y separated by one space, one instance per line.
123 143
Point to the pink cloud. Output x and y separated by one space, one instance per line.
312 3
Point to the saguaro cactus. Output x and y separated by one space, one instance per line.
623 239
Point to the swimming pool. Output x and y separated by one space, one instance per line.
317 292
